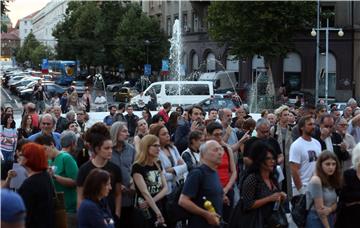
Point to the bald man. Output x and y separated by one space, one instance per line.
203 182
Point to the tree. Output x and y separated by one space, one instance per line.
260 28
33 51
30 43
3 6
39 53
132 33
263 28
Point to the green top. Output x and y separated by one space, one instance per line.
66 167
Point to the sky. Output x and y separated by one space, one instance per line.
22 8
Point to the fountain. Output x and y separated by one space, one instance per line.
262 95
176 52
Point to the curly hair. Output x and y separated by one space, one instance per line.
97 135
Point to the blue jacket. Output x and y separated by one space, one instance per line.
55 135
93 214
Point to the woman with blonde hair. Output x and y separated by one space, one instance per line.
150 183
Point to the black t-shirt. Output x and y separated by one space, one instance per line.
37 191
115 175
151 175
203 182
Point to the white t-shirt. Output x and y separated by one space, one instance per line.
304 153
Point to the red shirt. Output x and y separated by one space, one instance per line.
223 169
164 115
35 120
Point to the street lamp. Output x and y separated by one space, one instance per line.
314 33
147 43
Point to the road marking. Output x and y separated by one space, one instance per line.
9 97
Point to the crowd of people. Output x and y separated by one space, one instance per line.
215 169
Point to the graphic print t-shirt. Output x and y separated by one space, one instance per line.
305 153
152 177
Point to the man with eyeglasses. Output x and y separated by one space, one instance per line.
330 140
47 124
262 133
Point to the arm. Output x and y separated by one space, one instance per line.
315 189
80 196
296 175
140 183
65 181
118 200
71 172
187 204
233 172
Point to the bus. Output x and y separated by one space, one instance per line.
64 71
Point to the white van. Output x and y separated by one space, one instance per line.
191 92
223 81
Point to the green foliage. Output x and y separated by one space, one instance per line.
134 29
264 28
108 33
32 50
4 6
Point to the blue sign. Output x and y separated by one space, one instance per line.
45 64
165 65
147 69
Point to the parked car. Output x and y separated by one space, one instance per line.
115 87
125 94
16 78
31 85
218 102
80 87
339 105
50 89
306 96
23 82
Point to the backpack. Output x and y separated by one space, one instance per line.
174 212
299 210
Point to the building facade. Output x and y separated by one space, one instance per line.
44 22
296 70
25 26
10 41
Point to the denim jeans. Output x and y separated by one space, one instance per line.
313 220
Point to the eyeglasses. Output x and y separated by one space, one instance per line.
328 126
80 114
344 125
44 123
156 145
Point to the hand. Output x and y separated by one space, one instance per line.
144 205
343 146
275 197
212 218
228 130
283 196
170 170
226 200
11 173
194 125
51 171
245 137
160 219
180 162
325 132
325 211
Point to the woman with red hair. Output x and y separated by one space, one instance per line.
37 190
